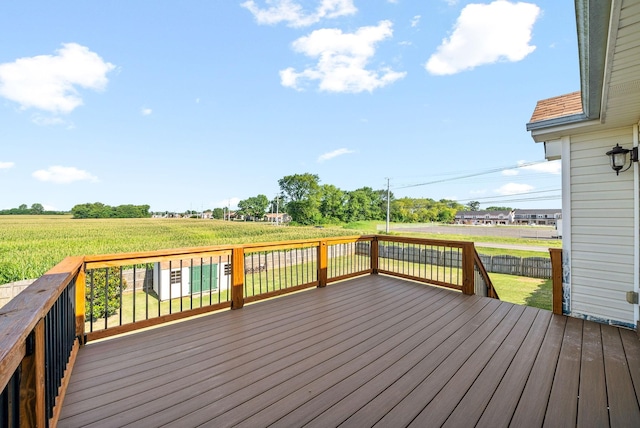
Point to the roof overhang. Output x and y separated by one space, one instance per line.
592 23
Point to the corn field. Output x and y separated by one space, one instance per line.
31 245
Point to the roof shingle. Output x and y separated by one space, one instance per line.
563 105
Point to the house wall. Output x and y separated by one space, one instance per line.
602 229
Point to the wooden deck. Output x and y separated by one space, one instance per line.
371 351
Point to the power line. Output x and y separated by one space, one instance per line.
513 194
485 172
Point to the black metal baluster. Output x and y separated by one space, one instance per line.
121 291
106 297
134 292
91 302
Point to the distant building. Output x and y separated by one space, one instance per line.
541 217
279 218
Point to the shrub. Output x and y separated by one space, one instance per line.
102 292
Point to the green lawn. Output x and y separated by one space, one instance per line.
523 291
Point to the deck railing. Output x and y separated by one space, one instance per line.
91 297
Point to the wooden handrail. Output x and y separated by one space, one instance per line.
424 241
491 291
19 317
21 323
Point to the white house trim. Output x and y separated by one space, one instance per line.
566 223
636 228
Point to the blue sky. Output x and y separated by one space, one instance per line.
198 104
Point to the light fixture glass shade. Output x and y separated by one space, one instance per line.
618 158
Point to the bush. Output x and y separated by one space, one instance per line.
104 300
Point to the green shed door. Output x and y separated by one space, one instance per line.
204 278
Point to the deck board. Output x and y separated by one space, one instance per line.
563 402
369 351
472 405
502 402
623 404
592 401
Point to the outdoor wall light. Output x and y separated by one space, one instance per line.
618 158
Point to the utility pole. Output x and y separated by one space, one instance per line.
388 205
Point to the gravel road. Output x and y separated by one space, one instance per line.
480 231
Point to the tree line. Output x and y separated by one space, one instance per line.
35 209
308 202
100 210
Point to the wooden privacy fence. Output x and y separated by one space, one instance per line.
532 267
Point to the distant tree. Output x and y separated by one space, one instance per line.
37 209
332 203
302 195
22 207
409 210
473 206
498 208
254 207
363 204
447 215
131 211
218 213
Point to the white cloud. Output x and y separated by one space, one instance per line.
293 14
63 175
485 34
6 165
50 82
551 167
513 189
333 154
415 21
342 60
146 111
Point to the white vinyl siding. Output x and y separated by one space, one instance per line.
602 228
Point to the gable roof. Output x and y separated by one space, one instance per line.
556 107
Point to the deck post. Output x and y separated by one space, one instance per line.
556 279
237 278
374 255
32 400
322 263
468 251
80 304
